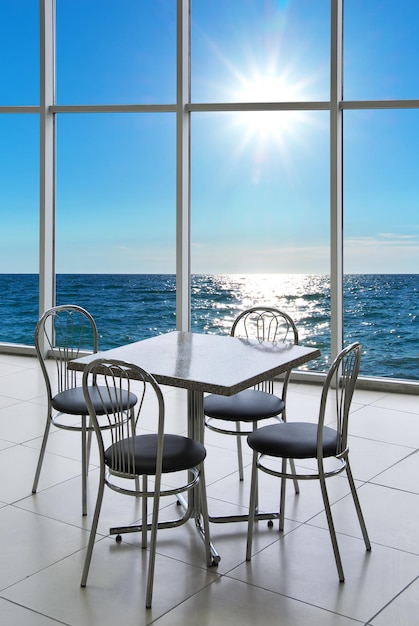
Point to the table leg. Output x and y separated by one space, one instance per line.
192 506
196 432
196 427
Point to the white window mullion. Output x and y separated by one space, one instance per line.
336 182
47 157
183 261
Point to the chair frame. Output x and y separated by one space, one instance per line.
119 375
59 339
268 324
59 320
341 379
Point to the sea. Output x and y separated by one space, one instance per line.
380 310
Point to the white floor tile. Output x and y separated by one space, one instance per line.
387 425
115 588
23 385
398 402
403 610
302 567
30 543
18 463
231 602
391 517
21 422
402 475
14 615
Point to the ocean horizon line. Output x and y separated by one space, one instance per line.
213 274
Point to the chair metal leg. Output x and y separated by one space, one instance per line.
295 481
239 452
252 506
282 496
256 509
331 525
205 518
83 465
41 454
89 445
283 418
144 513
153 541
358 506
93 530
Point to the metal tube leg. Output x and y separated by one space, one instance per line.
144 515
83 465
283 418
282 496
358 506
196 416
41 454
153 541
205 520
89 445
331 527
295 481
255 425
93 530
252 506
196 429
239 452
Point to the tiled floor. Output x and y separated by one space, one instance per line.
291 579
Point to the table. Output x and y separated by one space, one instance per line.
203 363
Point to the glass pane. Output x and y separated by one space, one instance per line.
116 221
260 51
382 239
260 218
19 233
19 52
381 49
110 52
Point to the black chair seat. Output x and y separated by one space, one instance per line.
292 440
72 401
246 406
179 453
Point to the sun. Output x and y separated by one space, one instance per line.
268 135
267 85
267 80
273 87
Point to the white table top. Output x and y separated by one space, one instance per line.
209 363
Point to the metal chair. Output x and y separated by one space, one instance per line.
131 456
62 334
250 406
304 440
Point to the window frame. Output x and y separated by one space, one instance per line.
184 108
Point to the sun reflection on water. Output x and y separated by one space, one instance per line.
217 300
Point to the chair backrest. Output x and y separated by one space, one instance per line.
264 323
339 388
115 381
64 333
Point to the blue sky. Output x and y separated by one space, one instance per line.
260 182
